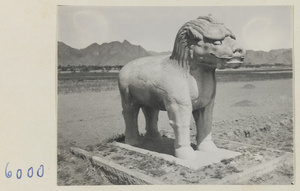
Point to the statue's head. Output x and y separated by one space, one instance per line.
206 41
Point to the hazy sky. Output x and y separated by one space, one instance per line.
155 28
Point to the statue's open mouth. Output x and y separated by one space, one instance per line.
234 62
229 62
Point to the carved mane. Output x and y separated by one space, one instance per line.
191 32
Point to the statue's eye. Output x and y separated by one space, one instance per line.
217 42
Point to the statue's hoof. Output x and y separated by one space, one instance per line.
207 146
132 141
185 153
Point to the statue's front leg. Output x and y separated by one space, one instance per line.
180 116
203 119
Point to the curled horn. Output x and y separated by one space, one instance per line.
194 34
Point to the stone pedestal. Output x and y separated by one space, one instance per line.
164 149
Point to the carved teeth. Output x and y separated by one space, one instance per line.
235 60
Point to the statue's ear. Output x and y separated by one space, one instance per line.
194 34
194 37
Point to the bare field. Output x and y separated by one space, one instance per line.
252 112
95 81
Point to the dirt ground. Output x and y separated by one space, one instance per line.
258 113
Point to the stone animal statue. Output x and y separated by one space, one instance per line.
183 84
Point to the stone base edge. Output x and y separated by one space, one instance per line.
116 173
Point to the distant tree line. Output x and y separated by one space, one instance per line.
250 65
84 68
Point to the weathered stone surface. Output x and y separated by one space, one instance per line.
118 174
201 158
183 84
115 173
257 171
121 175
81 153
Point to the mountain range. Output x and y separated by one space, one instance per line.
106 54
277 56
120 53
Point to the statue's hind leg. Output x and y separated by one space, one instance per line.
180 116
151 116
130 113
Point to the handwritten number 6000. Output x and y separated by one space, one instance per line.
39 172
